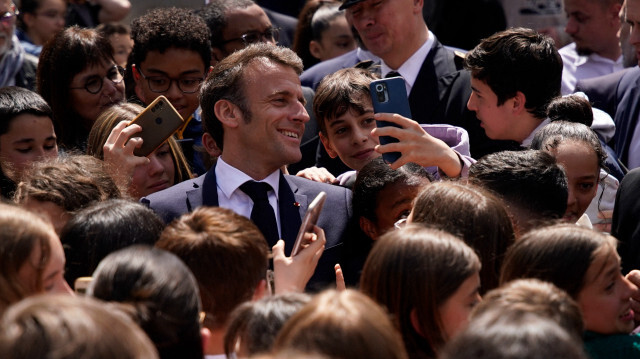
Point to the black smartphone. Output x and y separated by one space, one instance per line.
389 95
159 121
309 220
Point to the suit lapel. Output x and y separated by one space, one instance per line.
432 84
627 122
207 194
291 206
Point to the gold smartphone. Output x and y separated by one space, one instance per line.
159 121
81 284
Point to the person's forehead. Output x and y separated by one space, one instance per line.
250 18
5 5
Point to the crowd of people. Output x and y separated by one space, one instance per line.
502 220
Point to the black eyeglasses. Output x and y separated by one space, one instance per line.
162 83
252 37
94 83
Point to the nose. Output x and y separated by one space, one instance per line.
108 88
572 27
571 198
360 135
471 104
174 92
154 167
629 289
300 113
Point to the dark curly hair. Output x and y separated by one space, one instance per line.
164 28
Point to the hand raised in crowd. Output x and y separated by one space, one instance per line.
118 152
634 278
291 274
318 174
416 145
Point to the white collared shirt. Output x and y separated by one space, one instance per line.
410 69
577 67
229 179
527 141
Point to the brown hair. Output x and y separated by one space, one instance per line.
71 182
342 325
67 54
560 254
344 90
534 296
127 112
66 327
22 232
227 254
417 268
225 82
473 214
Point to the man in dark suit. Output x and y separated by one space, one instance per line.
437 85
625 225
253 110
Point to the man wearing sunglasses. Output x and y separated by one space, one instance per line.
17 68
171 57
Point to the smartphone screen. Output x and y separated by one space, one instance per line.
389 95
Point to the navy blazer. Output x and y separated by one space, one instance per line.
627 112
294 197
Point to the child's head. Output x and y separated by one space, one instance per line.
471 213
576 148
383 196
341 325
534 296
572 108
331 34
26 131
585 264
427 279
119 36
344 112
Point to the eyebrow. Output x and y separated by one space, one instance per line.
160 72
29 140
288 93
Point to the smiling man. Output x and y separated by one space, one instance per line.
253 110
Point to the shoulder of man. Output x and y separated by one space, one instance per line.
172 202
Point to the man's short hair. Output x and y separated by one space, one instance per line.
529 182
345 90
164 28
225 82
16 101
215 16
518 59
227 254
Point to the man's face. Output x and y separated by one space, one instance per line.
240 22
172 65
270 135
493 118
7 26
384 25
591 25
633 19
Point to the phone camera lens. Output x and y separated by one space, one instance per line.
379 88
158 120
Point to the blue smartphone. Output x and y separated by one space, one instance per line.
389 95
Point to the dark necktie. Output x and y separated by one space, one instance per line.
393 74
262 213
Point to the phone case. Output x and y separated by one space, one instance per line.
389 95
159 121
310 219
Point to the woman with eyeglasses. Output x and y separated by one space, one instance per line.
38 21
79 78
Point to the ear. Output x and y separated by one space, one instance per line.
315 49
415 323
260 291
210 145
228 113
327 146
417 6
137 78
519 101
369 228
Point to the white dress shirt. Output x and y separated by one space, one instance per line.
410 69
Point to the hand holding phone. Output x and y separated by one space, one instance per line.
389 95
309 220
158 121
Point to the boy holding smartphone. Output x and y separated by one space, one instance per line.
348 130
